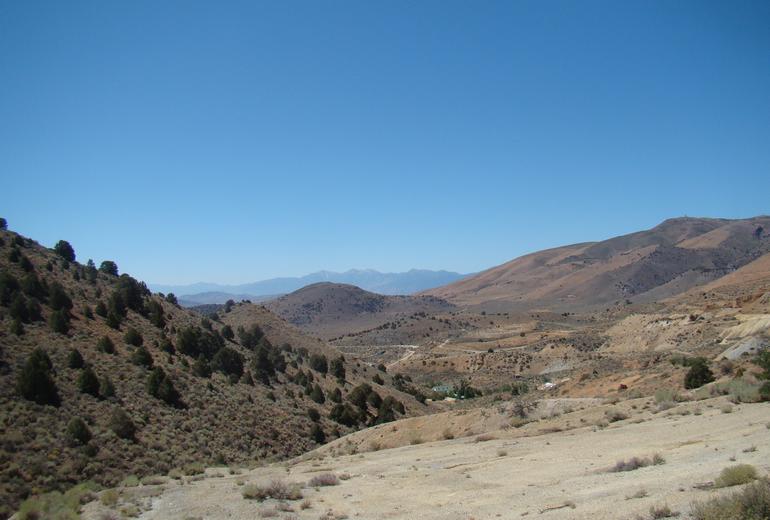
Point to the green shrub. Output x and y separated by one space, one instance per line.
78 432
75 360
33 287
250 337
17 327
519 388
9 286
106 345
35 382
109 497
142 357
132 337
59 321
228 361
100 309
56 505
113 320
319 363
227 332
130 481
736 475
764 391
337 367
194 341
18 309
317 433
160 385
58 299
201 367
121 424
344 414
317 394
166 346
155 314
313 414
106 388
88 383
109 267
699 374
743 391
751 503
64 250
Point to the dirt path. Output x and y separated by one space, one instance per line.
404 358
557 475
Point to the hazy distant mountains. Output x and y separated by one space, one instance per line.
409 282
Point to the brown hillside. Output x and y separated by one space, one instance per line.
331 310
225 417
671 258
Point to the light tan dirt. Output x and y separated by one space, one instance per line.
505 477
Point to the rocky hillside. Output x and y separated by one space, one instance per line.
330 310
100 379
667 260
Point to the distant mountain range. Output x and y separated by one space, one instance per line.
412 281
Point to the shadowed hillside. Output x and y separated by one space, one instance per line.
330 310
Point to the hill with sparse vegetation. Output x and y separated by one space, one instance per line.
101 380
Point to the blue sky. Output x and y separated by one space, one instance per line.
236 141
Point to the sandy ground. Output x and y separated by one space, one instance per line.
505 477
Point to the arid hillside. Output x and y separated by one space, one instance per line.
330 310
647 266
101 380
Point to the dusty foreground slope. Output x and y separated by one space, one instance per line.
556 475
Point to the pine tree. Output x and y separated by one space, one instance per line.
64 250
35 381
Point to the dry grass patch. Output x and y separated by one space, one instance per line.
615 415
277 489
55 505
109 497
154 480
637 462
326 479
642 493
662 512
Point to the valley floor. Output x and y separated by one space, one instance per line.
553 475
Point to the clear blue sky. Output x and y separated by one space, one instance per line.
235 141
